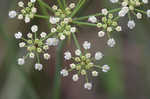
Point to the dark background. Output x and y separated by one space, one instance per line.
129 61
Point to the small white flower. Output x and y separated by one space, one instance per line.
38 66
12 14
52 41
101 34
33 1
92 19
18 35
64 73
66 20
22 44
131 24
94 73
72 5
88 55
124 4
114 1
148 13
53 20
72 66
21 61
105 68
53 30
88 86
139 16
73 29
86 45
27 19
104 11
62 37
109 29
67 55
54 7
118 28
29 35
123 11
34 10
145 1
111 42
75 77
98 55
46 56
20 4
43 35
77 52
45 47
20 16
32 55
34 28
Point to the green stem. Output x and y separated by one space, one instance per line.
59 63
97 14
79 5
60 4
45 5
64 3
84 23
86 17
76 41
141 11
41 16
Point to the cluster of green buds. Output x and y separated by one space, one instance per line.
34 45
83 64
61 22
27 13
108 24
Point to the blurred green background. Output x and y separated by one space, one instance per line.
129 61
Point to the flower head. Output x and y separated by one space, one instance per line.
83 64
25 13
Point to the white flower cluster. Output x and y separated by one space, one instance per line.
84 64
132 8
26 13
35 46
107 25
60 22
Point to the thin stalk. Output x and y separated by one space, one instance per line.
76 41
60 4
64 3
141 11
59 62
97 14
86 17
84 23
45 5
43 8
79 5
41 16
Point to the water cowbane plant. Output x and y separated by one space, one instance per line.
62 25
83 64
25 13
35 45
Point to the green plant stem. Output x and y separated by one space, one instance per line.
64 3
41 16
60 4
44 11
84 23
97 14
86 17
141 11
76 41
79 5
57 78
45 5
